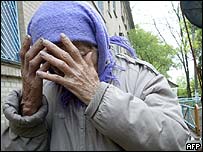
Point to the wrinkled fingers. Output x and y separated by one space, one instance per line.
59 53
25 47
32 52
56 62
35 63
71 49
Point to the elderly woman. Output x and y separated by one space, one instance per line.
90 99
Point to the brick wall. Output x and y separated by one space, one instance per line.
10 79
29 8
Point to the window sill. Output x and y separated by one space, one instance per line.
10 69
9 62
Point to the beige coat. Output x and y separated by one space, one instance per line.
140 113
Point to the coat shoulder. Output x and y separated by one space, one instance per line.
137 61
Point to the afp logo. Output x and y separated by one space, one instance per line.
193 146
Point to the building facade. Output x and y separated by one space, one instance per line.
15 17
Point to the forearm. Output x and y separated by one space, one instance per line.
134 125
24 132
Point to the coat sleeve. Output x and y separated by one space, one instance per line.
24 133
151 122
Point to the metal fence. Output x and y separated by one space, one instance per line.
192 113
10 35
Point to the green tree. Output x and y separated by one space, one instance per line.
149 48
182 91
197 46
183 46
184 51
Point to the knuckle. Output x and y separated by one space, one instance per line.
26 80
25 43
85 67
27 56
22 54
74 50
57 78
29 74
31 64
65 42
77 53
62 64
22 74
26 75
65 55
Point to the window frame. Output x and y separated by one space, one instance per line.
10 32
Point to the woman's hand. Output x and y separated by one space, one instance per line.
80 77
32 84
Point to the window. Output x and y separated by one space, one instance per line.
101 6
122 12
109 8
120 32
114 8
125 26
10 37
114 5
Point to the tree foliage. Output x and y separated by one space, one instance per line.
184 49
197 45
182 90
149 48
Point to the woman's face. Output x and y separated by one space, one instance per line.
84 49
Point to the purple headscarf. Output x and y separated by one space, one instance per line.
80 22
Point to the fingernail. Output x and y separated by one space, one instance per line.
38 72
63 35
41 39
90 54
27 36
45 42
42 53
